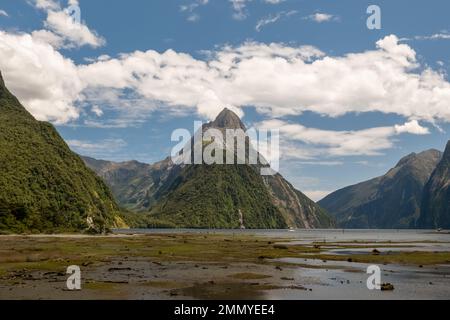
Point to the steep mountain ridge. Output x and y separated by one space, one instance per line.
45 187
390 201
435 211
215 196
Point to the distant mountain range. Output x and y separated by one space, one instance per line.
44 186
211 196
413 194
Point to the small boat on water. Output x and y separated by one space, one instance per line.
291 229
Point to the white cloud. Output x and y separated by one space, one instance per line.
412 127
273 18
367 142
277 79
193 18
190 9
47 4
46 82
239 6
89 147
445 35
321 17
97 111
4 13
62 28
75 34
281 80
177 79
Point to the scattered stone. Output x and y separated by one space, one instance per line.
119 269
287 279
278 268
280 246
375 252
387 287
349 260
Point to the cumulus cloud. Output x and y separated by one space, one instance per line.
283 80
46 82
412 127
276 79
178 79
75 34
64 27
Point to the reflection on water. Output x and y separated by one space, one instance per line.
347 280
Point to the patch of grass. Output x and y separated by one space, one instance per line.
411 258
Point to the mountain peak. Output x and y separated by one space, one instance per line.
227 119
427 155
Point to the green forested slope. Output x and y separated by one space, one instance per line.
45 187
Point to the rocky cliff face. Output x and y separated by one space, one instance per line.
390 201
435 211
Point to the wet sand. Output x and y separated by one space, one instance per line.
222 265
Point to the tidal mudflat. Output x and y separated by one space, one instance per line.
253 264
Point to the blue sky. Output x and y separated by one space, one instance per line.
345 97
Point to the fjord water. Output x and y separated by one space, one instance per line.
347 280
